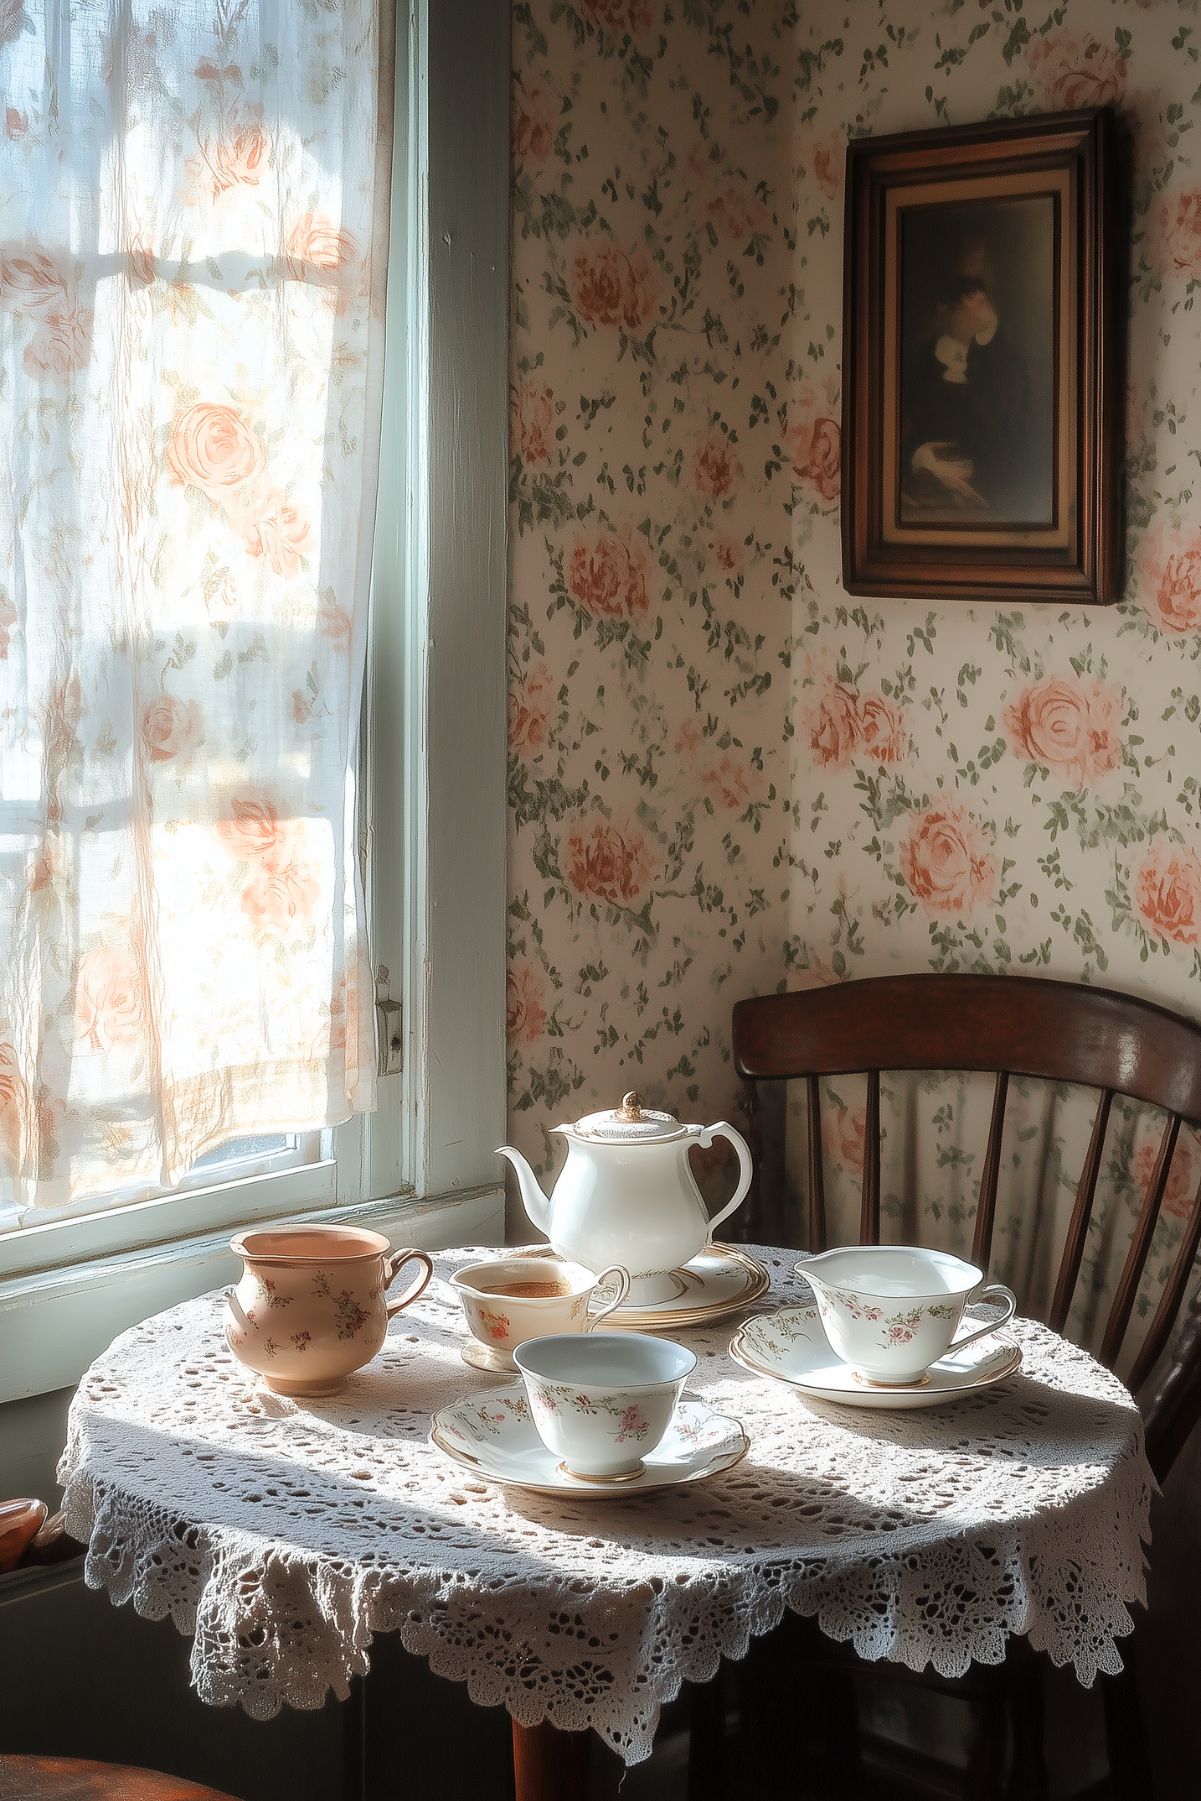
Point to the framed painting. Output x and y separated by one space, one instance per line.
983 374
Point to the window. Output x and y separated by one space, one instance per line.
430 815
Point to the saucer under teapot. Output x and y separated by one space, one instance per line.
626 1195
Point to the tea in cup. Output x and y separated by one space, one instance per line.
310 1307
890 1311
511 1299
601 1404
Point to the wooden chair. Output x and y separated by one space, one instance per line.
1054 1031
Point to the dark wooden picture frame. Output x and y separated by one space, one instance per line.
983 369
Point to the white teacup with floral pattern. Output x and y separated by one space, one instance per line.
890 1311
507 1300
600 1403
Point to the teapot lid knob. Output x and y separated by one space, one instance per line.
631 1107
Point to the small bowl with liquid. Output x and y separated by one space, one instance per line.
511 1299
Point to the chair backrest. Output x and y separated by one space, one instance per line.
1013 1026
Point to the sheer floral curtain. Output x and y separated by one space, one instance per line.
193 227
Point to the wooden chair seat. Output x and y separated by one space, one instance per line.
78 1779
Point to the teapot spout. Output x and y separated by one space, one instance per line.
532 1197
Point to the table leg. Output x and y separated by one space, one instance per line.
549 1765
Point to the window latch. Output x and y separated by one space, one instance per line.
391 1016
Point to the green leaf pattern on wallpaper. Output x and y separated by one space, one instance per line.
724 776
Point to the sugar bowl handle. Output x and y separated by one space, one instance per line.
745 1166
394 1263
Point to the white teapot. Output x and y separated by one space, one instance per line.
626 1195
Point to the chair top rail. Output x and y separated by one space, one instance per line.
1045 1030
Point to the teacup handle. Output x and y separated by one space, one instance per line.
623 1289
995 1291
394 1264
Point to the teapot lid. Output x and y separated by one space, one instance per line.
631 1123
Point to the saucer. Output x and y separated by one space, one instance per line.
720 1281
790 1346
493 1436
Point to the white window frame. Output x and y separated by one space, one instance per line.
422 1168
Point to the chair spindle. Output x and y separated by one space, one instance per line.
986 1206
869 1217
1086 1188
1156 1336
817 1191
1140 1244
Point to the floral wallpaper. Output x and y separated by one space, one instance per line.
725 774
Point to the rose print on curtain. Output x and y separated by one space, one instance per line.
192 256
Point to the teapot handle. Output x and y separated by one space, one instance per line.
745 1166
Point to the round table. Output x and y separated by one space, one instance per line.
283 1535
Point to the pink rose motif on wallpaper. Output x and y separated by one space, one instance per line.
531 420
633 16
715 468
615 288
881 731
813 440
688 739
1183 1176
8 618
1167 893
1179 227
532 121
825 161
831 725
946 862
1069 725
110 998
608 862
728 554
844 1133
531 703
525 1010
840 722
737 212
607 576
1073 72
733 783
1170 580
171 728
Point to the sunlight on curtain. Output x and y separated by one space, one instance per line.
193 229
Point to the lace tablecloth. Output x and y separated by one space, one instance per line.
283 1536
